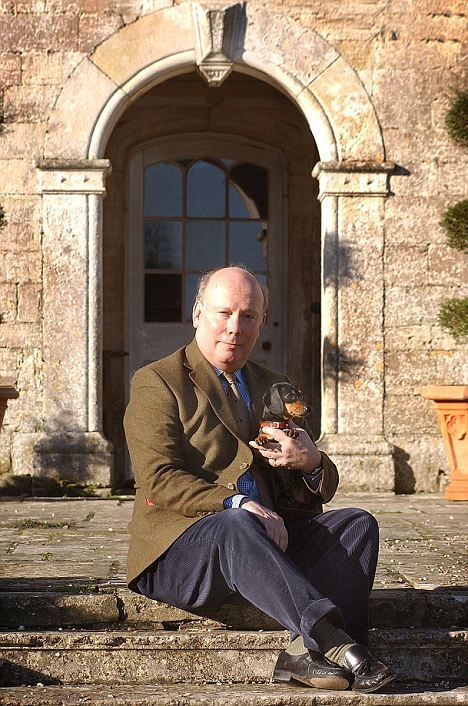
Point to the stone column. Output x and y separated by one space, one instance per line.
352 197
72 447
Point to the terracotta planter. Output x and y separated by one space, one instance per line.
7 392
451 403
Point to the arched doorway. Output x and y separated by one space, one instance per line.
201 178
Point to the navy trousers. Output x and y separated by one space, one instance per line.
327 570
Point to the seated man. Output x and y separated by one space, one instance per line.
216 515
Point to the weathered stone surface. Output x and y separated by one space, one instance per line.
222 695
29 32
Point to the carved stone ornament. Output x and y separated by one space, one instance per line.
219 35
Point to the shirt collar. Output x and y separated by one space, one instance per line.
238 374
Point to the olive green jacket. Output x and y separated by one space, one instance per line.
187 455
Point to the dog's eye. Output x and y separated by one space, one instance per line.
290 397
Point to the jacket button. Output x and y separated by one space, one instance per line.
243 466
231 486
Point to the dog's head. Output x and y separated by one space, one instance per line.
284 401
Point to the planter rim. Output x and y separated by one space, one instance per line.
455 393
8 392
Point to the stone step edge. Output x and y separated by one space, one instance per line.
43 609
226 695
212 639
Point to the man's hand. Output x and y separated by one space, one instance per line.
272 522
300 454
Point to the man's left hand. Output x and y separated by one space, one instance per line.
300 454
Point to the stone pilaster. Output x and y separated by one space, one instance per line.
352 196
72 447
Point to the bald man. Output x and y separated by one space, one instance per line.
217 516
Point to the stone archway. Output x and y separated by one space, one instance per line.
352 173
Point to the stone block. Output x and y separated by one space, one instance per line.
408 338
8 302
407 306
5 451
447 266
95 28
48 69
408 371
420 463
81 458
29 302
8 363
405 213
71 125
21 140
35 32
21 266
405 412
22 453
151 38
10 69
29 104
19 335
57 609
17 176
406 263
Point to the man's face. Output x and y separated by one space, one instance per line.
229 319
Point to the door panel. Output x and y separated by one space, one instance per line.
196 205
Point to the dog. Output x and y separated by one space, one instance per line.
283 401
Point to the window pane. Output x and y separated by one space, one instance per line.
206 190
248 190
248 245
205 245
163 245
191 282
163 190
163 297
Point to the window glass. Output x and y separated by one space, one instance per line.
163 245
163 297
205 245
248 244
163 190
206 186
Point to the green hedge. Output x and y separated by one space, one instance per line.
455 223
453 316
456 120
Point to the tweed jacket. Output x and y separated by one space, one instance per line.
187 454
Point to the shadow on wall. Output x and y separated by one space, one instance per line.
405 481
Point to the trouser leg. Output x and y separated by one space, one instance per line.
337 551
230 553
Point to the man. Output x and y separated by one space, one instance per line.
216 515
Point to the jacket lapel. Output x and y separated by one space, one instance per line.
205 379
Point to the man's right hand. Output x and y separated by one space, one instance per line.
272 522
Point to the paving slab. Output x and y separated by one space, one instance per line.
227 695
423 539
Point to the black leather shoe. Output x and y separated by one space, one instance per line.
369 673
313 669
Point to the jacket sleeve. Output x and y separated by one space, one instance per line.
329 482
155 441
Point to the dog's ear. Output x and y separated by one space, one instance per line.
267 399
276 401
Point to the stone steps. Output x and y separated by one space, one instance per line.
226 695
195 656
100 604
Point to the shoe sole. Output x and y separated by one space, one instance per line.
336 683
370 690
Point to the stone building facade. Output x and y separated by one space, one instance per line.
320 130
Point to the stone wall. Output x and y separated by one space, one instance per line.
408 55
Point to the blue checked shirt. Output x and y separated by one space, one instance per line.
246 484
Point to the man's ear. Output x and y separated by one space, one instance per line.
196 313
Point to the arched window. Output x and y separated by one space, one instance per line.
200 215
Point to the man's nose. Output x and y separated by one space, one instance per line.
234 324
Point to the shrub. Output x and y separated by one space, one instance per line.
453 316
456 120
455 223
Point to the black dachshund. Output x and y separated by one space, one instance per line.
283 401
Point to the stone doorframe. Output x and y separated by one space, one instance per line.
354 182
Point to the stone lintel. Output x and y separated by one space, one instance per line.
353 178
72 176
